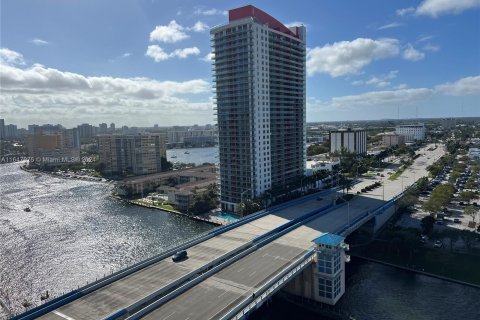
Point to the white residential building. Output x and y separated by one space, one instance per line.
259 78
411 132
351 140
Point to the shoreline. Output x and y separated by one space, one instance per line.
197 218
69 177
103 180
416 271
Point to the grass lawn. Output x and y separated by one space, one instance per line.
167 207
396 174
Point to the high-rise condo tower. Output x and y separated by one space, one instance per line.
259 74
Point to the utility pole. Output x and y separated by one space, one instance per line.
348 213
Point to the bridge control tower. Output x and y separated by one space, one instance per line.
329 272
324 279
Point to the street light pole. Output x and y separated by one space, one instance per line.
348 213
241 195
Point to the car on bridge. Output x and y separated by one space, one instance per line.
179 256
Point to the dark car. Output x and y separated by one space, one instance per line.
180 255
456 220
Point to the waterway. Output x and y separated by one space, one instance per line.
74 233
77 232
375 291
193 155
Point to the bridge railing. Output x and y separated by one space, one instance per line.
267 290
82 291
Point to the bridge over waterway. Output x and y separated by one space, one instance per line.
232 270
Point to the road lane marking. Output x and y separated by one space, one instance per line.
58 313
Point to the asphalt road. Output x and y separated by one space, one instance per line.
220 292
126 291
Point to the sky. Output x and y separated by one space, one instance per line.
146 62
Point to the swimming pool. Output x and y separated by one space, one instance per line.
227 216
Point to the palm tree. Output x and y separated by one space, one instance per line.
346 183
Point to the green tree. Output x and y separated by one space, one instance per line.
249 206
346 184
467 195
439 198
205 201
471 211
427 224
315 149
422 184
166 165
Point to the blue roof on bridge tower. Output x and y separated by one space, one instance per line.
329 239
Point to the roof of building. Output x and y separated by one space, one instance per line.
261 16
348 130
329 239
410 125
188 187
203 171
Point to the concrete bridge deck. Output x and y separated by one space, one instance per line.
217 294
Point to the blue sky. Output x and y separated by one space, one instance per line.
146 62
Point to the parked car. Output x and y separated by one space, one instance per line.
438 244
456 220
179 256
439 221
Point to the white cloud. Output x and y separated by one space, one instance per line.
391 25
399 95
200 26
39 42
424 38
295 24
10 57
381 81
34 93
210 12
464 87
171 33
377 82
401 86
158 54
382 98
209 57
184 53
406 11
412 54
126 55
349 57
430 47
435 8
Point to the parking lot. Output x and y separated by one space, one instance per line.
452 216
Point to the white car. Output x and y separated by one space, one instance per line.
438 244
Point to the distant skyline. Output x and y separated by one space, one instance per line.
141 63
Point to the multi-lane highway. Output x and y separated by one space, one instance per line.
246 257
